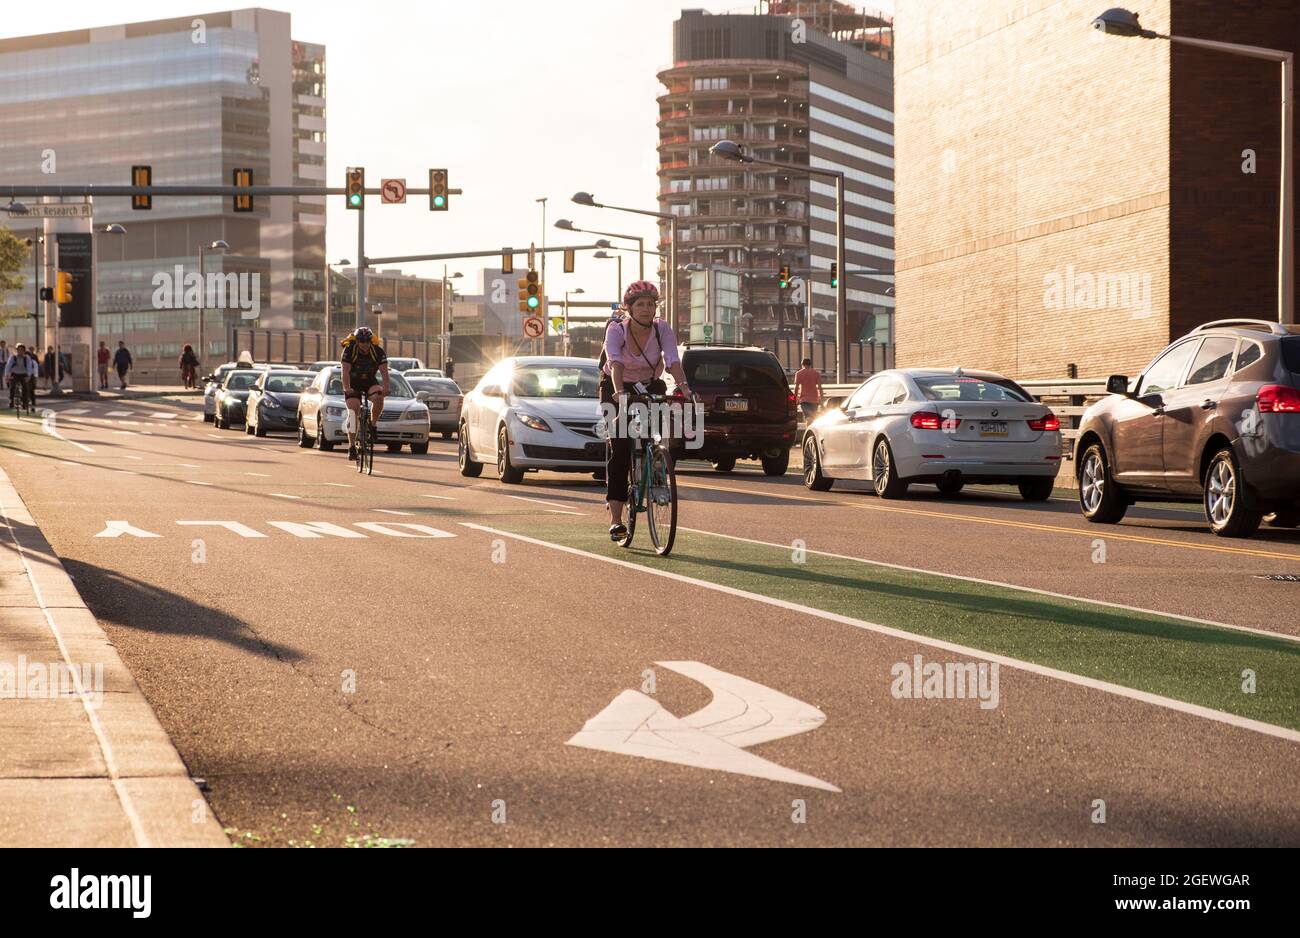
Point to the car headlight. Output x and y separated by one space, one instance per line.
270 401
332 411
416 412
528 420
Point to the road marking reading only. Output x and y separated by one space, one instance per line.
1168 703
741 714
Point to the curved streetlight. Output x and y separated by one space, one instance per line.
565 225
733 152
220 247
111 229
17 208
1118 21
567 294
587 199
606 256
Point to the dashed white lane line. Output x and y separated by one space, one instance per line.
296 498
337 485
1168 703
400 514
556 511
119 413
47 424
260 475
136 458
441 498
539 501
192 482
187 465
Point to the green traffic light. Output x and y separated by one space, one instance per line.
354 199
439 200
835 282
534 302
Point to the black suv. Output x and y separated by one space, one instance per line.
1215 418
749 409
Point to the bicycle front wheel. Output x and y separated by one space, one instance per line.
661 501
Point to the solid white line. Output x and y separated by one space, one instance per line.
400 514
48 426
1206 713
441 498
260 475
523 498
556 511
136 458
1009 586
192 482
105 748
186 465
296 498
119 413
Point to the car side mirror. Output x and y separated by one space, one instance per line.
1117 384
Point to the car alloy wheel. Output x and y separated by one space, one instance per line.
1092 482
881 466
1221 493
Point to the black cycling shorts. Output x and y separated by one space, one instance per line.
360 390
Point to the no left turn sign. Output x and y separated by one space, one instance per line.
534 327
393 191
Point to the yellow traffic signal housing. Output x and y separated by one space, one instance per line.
356 189
530 293
63 288
243 178
142 176
439 195
569 261
784 276
507 262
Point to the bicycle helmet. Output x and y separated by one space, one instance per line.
637 290
364 334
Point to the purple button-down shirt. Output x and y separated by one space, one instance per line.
660 351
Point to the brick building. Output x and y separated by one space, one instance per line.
1067 197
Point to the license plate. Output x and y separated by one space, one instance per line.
437 405
993 428
732 405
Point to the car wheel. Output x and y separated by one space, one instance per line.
884 474
1225 498
599 475
468 467
1101 500
303 439
420 449
506 472
1037 490
323 443
950 487
394 447
813 480
725 465
777 465
248 426
259 430
446 434
209 418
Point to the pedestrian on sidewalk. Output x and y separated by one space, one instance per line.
189 368
101 358
122 362
51 378
5 355
808 389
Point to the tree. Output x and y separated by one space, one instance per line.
14 256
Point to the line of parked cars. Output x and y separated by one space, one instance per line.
309 401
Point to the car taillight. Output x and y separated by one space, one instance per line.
926 420
1048 424
794 402
1277 399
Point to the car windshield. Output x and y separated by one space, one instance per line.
223 371
436 385
1291 353
735 370
401 364
287 384
564 381
242 379
398 388
950 388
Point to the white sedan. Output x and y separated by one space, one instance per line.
534 413
323 412
936 427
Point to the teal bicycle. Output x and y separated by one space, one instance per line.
652 486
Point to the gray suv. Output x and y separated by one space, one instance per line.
1215 418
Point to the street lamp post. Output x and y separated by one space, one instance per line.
1120 22
567 294
601 255
565 225
586 198
729 150
93 387
442 334
329 292
221 246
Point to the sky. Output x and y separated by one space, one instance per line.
519 100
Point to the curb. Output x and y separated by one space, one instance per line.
150 799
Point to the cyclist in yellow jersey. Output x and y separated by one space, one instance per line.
365 372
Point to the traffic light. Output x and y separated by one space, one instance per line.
783 278
47 294
142 176
356 189
570 261
243 178
507 262
63 288
530 293
835 275
439 196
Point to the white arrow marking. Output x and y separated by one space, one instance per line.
119 413
742 713
47 424
119 528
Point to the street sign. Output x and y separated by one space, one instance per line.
708 331
393 191
809 335
49 210
557 325
534 327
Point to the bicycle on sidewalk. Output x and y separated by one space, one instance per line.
652 482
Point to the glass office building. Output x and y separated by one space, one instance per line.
194 98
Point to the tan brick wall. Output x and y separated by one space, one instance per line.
1027 144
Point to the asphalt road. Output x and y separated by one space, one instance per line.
413 671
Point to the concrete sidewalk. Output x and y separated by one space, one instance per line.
84 761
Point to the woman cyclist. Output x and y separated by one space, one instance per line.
638 350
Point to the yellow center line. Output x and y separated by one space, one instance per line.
1103 533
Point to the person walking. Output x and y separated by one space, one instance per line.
808 389
122 362
189 368
449 369
101 359
5 355
47 369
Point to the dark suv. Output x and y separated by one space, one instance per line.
1215 418
749 410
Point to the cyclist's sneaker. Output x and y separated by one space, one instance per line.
617 532
352 454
